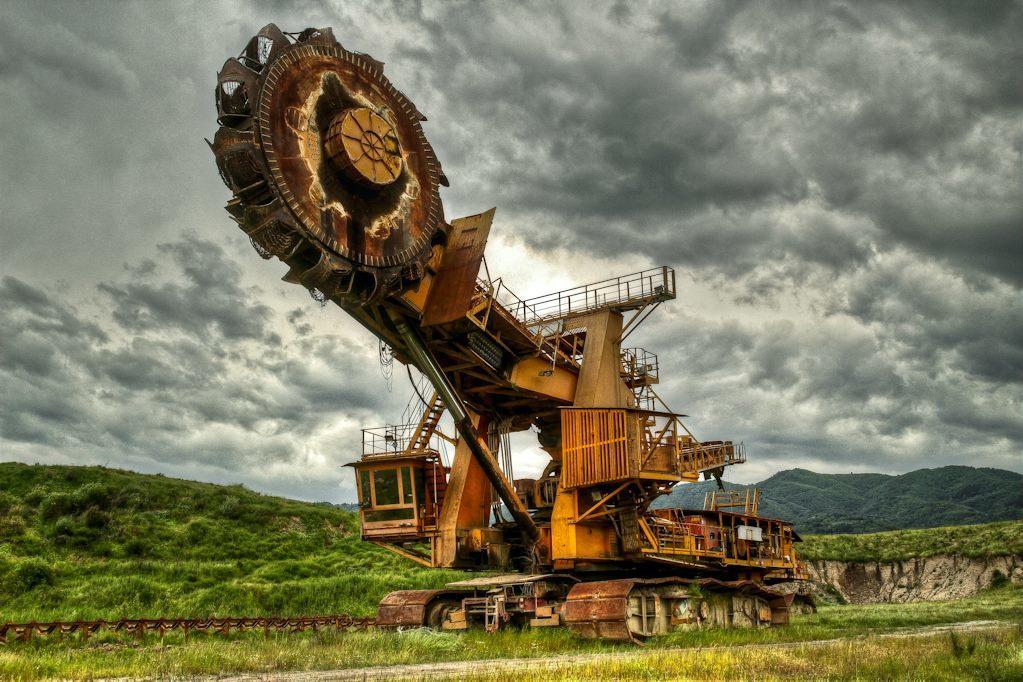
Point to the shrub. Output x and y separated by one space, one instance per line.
92 495
136 547
64 528
134 497
55 505
961 647
34 496
7 502
27 575
95 518
197 530
231 508
12 526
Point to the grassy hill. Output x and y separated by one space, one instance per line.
863 503
93 542
984 540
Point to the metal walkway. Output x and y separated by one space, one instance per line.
627 292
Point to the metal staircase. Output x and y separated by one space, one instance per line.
427 426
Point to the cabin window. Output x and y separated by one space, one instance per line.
385 483
365 488
406 485
393 490
389 515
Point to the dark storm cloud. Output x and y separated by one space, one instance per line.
696 132
838 184
903 383
209 295
178 377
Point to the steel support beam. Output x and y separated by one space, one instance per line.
426 364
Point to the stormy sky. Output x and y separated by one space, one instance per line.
839 185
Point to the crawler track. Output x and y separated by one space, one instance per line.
23 632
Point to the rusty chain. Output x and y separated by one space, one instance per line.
23 632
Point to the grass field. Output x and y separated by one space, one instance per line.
88 542
114 656
948 656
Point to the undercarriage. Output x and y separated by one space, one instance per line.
623 609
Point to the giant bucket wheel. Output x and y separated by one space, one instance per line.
328 164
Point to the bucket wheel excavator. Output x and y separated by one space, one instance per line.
331 173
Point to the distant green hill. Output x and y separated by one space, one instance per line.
866 503
984 540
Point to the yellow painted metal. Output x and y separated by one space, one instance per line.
404 553
466 502
417 297
575 540
537 375
600 381
598 446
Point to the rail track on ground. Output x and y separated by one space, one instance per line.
24 632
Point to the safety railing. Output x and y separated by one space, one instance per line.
393 439
626 292
745 501
546 335
639 367
700 457
772 549
673 535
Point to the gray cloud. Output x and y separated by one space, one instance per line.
175 369
838 184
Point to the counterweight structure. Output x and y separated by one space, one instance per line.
332 174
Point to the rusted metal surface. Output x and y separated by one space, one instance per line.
365 146
454 288
406 608
323 154
599 609
24 632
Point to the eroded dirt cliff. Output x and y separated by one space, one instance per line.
929 579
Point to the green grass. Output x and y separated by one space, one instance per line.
984 540
983 656
116 656
90 542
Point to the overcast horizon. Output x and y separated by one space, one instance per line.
839 187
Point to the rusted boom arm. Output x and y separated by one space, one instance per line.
428 365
